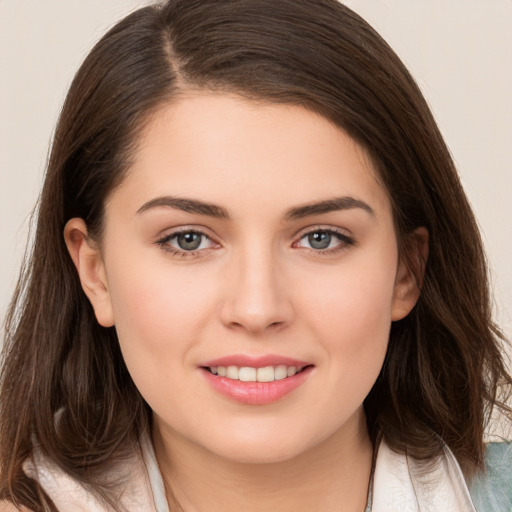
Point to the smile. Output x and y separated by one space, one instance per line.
256 381
251 374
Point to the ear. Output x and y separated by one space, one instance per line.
410 273
91 269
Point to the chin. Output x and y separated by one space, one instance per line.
259 454
268 447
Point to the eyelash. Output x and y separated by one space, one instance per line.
345 241
164 243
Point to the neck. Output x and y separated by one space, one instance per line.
334 474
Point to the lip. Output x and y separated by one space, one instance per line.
256 362
256 393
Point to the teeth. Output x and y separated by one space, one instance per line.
281 372
265 374
232 372
249 374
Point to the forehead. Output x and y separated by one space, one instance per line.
226 149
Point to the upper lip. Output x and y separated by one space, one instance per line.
242 360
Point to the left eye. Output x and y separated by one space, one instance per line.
323 239
189 241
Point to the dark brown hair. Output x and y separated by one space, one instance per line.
443 369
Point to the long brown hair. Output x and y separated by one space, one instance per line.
443 369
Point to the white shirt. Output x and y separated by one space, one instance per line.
400 484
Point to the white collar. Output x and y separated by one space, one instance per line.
400 484
404 484
136 480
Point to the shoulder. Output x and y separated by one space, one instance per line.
492 489
7 506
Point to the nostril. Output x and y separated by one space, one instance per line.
255 312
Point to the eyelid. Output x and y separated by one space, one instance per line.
341 234
322 227
168 235
344 239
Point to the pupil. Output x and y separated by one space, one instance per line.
189 241
319 240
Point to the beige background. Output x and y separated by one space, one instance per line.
460 52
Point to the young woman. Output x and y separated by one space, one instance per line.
256 282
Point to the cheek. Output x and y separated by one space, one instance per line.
159 315
351 317
352 327
158 326
355 304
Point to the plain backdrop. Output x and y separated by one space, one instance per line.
459 51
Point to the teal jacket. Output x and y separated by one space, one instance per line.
491 491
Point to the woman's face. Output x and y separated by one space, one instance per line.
249 264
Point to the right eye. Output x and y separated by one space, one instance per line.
186 243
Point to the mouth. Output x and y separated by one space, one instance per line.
253 374
256 381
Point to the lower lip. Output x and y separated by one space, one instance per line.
256 393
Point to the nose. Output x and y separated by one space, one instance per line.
257 298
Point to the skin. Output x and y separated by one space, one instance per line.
6 506
255 286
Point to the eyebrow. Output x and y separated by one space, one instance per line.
186 205
329 205
218 212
